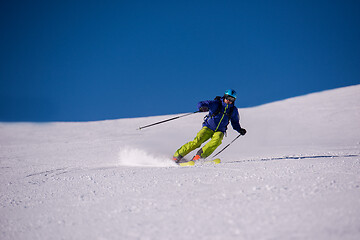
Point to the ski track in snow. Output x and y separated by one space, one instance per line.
106 180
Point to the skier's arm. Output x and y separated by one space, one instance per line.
203 106
235 122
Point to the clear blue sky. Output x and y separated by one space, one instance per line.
94 60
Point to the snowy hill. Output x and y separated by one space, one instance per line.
295 175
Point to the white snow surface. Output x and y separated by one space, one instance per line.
294 175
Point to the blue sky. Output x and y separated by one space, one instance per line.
96 60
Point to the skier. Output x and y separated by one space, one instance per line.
221 111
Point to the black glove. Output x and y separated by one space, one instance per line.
203 109
242 131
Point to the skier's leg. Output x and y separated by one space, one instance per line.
203 135
210 147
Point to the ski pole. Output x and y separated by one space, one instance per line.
227 146
167 120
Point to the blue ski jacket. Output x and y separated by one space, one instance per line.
220 114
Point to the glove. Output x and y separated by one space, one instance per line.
203 109
242 131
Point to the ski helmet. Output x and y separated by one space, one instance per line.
231 93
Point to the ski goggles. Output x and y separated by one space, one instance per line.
230 98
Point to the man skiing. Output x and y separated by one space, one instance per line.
221 111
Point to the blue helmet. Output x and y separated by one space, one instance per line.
231 93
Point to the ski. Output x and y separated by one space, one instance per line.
188 163
192 163
215 161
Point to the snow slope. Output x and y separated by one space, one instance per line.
295 175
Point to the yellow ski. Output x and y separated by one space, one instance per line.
216 161
192 163
189 163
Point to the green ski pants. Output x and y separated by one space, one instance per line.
202 136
